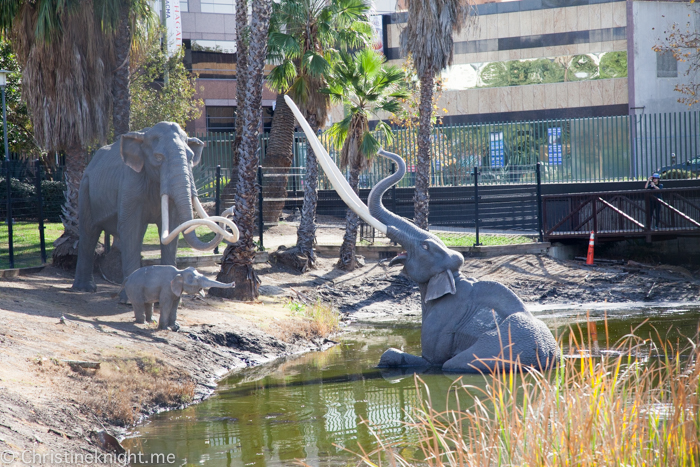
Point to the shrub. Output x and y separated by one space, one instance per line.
678 174
52 194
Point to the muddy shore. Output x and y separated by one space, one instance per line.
52 405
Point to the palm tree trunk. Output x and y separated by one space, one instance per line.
306 234
278 158
347 260
237 264
65 253
421 197
120 86
228 194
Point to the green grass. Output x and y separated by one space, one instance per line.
466 240
27 247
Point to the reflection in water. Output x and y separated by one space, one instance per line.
311 407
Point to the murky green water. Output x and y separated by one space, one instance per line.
310 407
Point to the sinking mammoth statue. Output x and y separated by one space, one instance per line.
145 177
468 325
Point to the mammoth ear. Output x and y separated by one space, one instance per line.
196 145
439 285
130 150
176 285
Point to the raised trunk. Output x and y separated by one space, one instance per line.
421 197
347 260
237 264
306 234
65 253
120 86
399 229
278 159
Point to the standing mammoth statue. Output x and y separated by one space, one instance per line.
145 177
165 285
468 325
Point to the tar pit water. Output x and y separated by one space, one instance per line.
312 408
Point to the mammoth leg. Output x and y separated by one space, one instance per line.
168 309
519 341
139 311
148 308
131 233
168 252
89 235
394 358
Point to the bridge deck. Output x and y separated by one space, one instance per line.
622 214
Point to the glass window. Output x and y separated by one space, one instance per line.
184 5
554 146
666 65
218 6
221 118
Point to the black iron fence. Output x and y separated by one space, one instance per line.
28 204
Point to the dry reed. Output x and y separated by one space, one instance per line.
634 405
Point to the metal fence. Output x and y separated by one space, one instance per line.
592 149
27 203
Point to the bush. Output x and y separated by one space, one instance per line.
25 195
52 193
678 174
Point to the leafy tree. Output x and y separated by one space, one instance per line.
67 62
237 263
428 36
683 41
153 101
408 116
20 133
306 38
365 86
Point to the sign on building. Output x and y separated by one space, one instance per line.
377 33
554 146
496 149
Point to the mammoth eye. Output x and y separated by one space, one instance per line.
425 246
159 157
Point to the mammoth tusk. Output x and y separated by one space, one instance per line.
167 237
223 219
334 175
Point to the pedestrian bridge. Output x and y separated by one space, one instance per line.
616 215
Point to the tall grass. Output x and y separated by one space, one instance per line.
635 405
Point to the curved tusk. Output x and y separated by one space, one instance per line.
334 175
194 223
199 208
219 219
167 236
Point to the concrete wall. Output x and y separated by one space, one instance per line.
651 19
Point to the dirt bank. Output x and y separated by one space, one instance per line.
49 405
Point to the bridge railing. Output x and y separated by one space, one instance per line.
630 213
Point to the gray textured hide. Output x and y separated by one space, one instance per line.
164 284
120 194
468 325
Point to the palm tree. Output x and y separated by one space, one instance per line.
237 264
365 87
428 37
306 39
67 68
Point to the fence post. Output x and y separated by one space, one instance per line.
260 204
9 211
217 200
40 203
539 201
476 204
393 190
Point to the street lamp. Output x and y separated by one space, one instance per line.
3 81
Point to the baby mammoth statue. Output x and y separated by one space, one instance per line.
164 284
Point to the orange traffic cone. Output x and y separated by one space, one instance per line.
591 242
